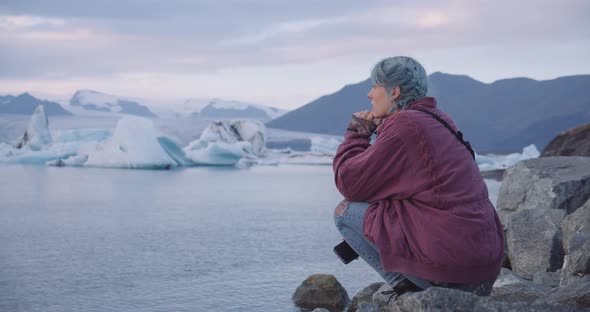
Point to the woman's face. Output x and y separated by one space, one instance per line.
380 101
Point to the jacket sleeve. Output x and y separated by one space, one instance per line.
365 172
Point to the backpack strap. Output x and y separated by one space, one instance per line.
458 134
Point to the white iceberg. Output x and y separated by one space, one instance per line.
216 153
37 134
323 144
224 143
134 145
492 161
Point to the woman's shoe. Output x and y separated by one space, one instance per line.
402 287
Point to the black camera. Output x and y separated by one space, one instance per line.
345 252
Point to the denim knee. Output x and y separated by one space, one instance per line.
339 213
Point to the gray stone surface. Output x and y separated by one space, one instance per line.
544 183
548 279
364 296
576 241
575 294
379 299
321 291
443 300
535 241
320 310
366 307
513 288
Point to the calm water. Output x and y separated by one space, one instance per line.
198 239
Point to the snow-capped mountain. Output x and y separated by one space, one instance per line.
25 104
225 109
87 101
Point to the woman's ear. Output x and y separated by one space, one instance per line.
396 92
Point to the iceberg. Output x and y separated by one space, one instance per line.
134 145
492 161
224 143
322 144
216 153
37 134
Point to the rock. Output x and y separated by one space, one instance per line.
547 279
544 183
380 300
513 288
572 142
366 307
321 291
576 241
575 294
320 310
534 241
364 296
448 300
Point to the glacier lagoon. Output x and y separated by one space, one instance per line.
192 239
187 239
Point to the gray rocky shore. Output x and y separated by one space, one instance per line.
544 206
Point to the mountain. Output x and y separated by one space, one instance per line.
92 101
505 115
223 109
25 104
329 114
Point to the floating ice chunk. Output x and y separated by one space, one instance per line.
37 134
491 161
175 151
252 131
219 132
6 150
134 144
73 161
530 151
224 143
233 131
81 135
322 144
216 153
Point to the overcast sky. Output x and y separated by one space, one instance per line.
278 53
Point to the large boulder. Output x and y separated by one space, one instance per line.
321 291
544 183
513 288
534 241
572 142
576 241
529 190
443 300
364 296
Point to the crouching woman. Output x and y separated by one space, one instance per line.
416 208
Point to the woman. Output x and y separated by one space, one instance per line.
416 208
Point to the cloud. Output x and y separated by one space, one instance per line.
16 22
69 38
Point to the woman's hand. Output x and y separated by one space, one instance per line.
364 123
368 115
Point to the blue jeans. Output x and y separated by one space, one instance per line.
348 217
